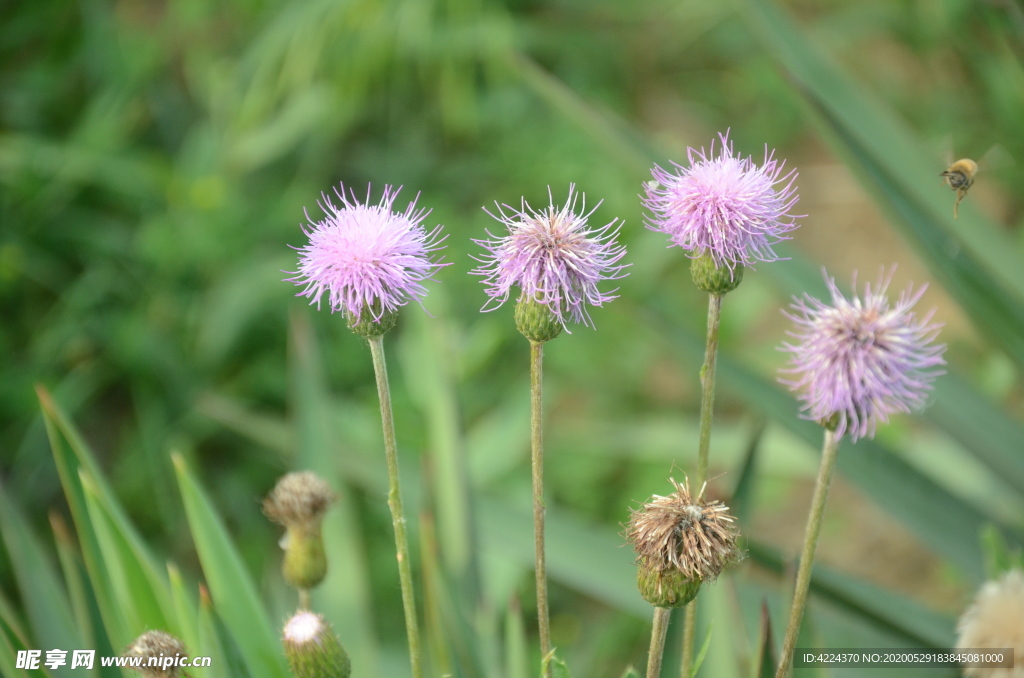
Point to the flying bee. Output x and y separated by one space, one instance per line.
960 177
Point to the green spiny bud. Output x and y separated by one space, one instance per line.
535 321
666 588
312 648
372 322
709 277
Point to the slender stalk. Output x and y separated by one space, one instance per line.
537 463
304 599
659 628
395 504
803 577
689 631
707 384
707 409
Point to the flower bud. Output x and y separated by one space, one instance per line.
160 648
535 321
710 277
666 588
312 648
299 501
372 321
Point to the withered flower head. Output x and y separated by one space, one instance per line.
995 620
681 541
298 499
159 651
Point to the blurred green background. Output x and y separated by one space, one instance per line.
155 161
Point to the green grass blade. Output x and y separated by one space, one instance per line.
185 612
70 455
231 586
980 425
72 569
764 667
742 500
702 652
49 613
209 639
517 653
10 643
141 596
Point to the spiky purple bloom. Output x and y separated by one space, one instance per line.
553 257
367 256
862 359
726 206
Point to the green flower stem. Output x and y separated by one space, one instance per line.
659 628
395 504
537 462
689 630
304 599
803 578
707 384
707 409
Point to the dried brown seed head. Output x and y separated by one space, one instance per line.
156 645
694 537
298 499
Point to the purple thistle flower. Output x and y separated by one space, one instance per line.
367 256
862 359
552 257
725 206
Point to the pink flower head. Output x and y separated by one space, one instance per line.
367 256
862 358
552 257
725 206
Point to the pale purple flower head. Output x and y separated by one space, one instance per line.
726 206
367 256
553 257
862 359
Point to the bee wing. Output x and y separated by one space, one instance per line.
996 158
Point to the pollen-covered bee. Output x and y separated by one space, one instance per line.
960 177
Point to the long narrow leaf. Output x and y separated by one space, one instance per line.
46 604
233 591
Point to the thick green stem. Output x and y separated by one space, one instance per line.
803 577
395 504
658 630
537 463
707 410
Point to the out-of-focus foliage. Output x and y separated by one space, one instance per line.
155 160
